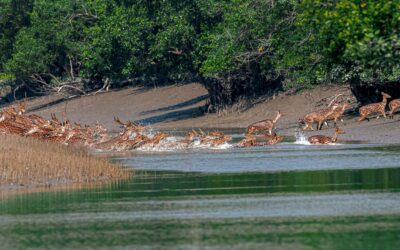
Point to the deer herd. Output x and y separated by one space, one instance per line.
320 117
133 135
13 120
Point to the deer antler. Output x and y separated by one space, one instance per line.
117 120
202 132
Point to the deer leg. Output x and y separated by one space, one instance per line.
384 113
308 127
270 131
319 127
362 118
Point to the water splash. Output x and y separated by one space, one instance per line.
166 145
197 145
301 138
173 143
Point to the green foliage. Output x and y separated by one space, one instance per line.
358 39
116 44
238 47
13 16
51 43
250 31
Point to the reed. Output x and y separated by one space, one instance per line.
29 163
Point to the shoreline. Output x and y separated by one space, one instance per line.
182 107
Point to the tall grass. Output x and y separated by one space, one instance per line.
26 162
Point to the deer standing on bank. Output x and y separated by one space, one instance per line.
318 117
393 106
378 107
337 114
264 125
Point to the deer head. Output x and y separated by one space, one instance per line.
278 115
117 120
217 133
21 108
345 106
2 116
339 131
385 95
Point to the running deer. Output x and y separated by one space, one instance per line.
393 105
189 137
337 114
248 141
157 138
214 138
323 139
264 125
318 117
273 139
130 125
378 107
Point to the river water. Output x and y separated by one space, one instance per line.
287 196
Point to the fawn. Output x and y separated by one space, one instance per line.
264 125
393 105
318 116
378 107
323 139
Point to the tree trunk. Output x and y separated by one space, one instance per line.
371 92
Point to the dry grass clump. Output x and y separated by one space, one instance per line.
26 162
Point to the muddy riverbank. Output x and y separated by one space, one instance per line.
184 107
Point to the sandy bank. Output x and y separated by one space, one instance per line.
182 107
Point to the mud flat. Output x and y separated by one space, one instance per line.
184 107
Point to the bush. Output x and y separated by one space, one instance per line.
237 48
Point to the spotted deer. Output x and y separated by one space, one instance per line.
264 125
373 108
130 125
323 139
273 139
393 106
21 108
214 138
248 141
157 138
337 114
318 117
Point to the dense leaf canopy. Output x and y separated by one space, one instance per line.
235 47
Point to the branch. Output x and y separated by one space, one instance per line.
58 89
335 97
105 88
71 68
